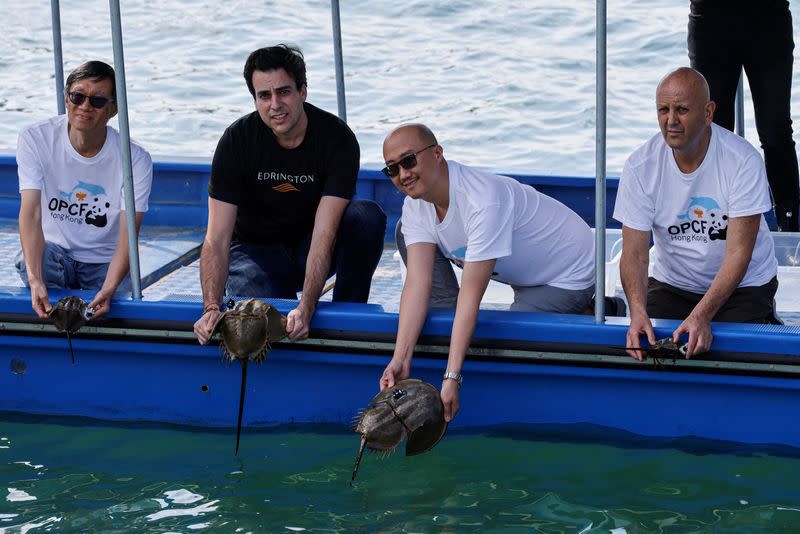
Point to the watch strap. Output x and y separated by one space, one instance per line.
453 376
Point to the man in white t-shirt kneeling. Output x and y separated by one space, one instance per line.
72 222
701 191
493 227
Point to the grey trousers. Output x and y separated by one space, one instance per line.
444 290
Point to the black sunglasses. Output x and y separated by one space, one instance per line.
407 162
97 102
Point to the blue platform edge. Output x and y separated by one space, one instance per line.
185 383
494 325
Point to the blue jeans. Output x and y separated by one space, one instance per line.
62 271
278 270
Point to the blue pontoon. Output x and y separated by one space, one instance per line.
143 363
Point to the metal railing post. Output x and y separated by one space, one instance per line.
337 53
58 59
740 106
125 149
600 167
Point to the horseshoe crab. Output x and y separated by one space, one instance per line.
411 408
664 348
69 315
248 330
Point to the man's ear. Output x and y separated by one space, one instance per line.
710 107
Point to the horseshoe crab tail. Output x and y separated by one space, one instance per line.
241 404
71 352
358 459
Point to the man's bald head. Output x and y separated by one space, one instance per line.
685 113
415 162
422 133
689 79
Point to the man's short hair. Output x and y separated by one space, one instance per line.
94 70
288 58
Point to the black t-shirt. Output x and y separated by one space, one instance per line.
277 190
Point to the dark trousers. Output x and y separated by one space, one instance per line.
754 304
723 38
278 270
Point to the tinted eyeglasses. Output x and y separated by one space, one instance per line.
97 102
407 162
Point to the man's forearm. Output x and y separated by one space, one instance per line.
118 267
413 310
463 328
724 284
213 272
742 234
120 261
318 266
32 241
474 280
633 273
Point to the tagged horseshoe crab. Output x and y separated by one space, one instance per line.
664 348
69 315
411 408
248 330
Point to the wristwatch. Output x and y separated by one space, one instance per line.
453 376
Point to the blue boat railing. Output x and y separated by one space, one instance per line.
600 161
58 60
125 145
179 197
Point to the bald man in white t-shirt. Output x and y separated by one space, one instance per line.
493 227
702 192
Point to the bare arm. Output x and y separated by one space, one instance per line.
119 267
31 238
633 272
413 310
741 239
214 264
323 238
474 280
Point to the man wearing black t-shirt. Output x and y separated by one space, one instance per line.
280 214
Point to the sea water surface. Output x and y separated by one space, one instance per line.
71 475
505 85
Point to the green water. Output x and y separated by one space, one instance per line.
76 476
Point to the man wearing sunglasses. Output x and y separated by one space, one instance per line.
493 227
280 214
72 224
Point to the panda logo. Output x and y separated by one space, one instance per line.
98 211
718 225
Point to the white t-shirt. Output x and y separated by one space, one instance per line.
688 213
535 239
81 197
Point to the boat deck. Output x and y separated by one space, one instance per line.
171 272
171 269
